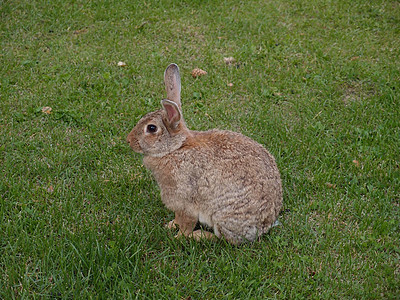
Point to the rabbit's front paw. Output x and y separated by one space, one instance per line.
171 224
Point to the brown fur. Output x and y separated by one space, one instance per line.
221 178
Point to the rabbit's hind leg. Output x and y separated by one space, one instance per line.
236 233
185 222
202 235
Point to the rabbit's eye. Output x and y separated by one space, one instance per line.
151 128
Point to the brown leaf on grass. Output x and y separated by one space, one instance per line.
121 64
198 72
47 110
50 189
80 31
229 60
356 163
330 185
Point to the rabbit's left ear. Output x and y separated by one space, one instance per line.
173 113
172 81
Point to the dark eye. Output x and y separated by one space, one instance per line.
151 128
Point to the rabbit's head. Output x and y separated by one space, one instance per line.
161 132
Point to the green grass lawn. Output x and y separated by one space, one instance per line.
316 82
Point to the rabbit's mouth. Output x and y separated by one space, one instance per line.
134 144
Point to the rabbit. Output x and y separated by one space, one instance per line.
220 178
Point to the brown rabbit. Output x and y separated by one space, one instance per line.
222 179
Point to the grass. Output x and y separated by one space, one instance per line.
316 82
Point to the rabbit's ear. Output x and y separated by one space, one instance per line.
173 113
172 81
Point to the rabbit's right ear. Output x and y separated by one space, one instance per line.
172 81
174 115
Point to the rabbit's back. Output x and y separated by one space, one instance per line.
224 178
